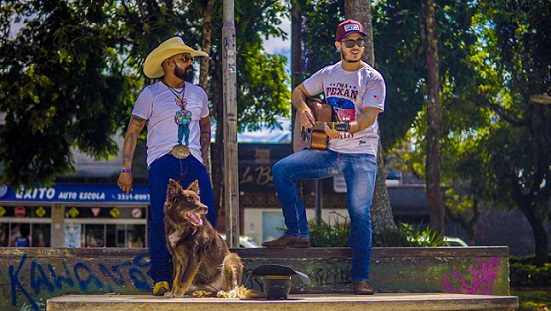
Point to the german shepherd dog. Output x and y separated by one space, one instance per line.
202 263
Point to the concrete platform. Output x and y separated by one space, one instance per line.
303 302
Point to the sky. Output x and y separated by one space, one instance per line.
279 46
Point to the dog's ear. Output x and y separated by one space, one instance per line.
194 186
173 190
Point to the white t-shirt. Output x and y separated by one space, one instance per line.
348 92
157 104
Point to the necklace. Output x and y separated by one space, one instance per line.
179 94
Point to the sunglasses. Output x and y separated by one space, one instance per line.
186 58
350 43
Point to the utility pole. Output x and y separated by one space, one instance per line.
231 180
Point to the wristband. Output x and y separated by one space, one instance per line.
126 170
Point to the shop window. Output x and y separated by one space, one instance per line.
94 236
4 235
136 236
40 235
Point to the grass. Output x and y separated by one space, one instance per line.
533 298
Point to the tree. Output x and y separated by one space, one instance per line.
434 119
69 77
381 211
517 146
406 61
495 143
62 85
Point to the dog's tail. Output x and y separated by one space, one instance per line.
232 270
242 292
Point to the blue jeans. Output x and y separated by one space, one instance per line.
359 171
160 171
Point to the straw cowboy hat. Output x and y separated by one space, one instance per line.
173 46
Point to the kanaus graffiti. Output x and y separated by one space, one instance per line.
31 280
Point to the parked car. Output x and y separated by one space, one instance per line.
454 241
245 241
448 241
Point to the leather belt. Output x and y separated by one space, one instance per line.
179 151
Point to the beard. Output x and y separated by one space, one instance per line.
185 74
347 58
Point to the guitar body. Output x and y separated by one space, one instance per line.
304 138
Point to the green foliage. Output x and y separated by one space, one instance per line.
496 147
408 235
530 275
60 87
336 234
533 299
394 238
321 18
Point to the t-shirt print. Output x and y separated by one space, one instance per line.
341 97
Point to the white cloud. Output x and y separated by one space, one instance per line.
278 45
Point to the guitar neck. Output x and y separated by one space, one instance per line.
338 126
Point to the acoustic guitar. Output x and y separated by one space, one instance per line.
315 137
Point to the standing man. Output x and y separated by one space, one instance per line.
172 108
356 93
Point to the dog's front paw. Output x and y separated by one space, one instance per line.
222 294
201 294
174 294
169 295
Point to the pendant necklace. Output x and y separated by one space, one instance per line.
182 118
180 100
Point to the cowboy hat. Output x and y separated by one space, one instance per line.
173 46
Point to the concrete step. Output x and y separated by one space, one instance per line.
297 302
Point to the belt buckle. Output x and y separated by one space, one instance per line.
180 151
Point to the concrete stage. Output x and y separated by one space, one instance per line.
299 302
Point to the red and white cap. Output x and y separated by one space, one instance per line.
347 27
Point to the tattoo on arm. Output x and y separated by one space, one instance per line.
135 126
137 121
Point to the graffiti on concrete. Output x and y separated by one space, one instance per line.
32 279
482 281
335 273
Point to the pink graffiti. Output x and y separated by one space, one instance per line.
482 279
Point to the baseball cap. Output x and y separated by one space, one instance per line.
347 27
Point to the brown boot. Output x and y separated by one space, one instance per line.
362 287
287 241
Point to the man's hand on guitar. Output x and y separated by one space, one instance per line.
336 129
306 116
332 133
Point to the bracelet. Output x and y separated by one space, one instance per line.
126 170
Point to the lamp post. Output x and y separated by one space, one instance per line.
541 98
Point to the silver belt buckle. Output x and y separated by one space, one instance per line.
180 151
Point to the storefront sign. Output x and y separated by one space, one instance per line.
255 165
73 193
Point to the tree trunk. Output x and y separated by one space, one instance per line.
205 61
434 116
381 211
533 215
296 44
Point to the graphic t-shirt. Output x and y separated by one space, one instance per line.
167 124
348 92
